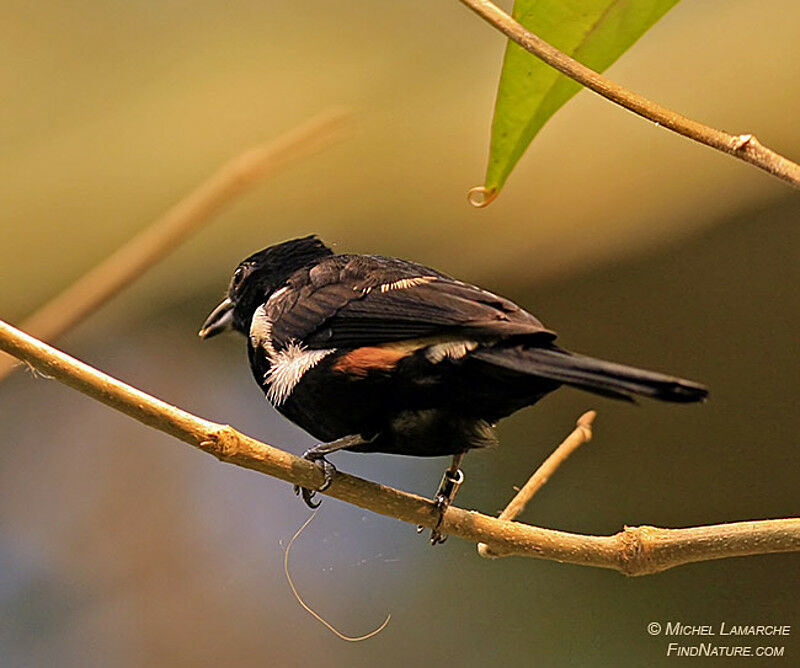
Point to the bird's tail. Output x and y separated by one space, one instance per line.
587 373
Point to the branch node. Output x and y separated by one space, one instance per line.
222 441
635 555
740 142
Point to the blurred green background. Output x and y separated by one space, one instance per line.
121 546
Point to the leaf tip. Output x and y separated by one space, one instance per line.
481 196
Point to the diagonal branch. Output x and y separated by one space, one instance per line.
743 146
634 551
580 435
173 228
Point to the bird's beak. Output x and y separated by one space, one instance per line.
220 319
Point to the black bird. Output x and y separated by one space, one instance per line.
378 354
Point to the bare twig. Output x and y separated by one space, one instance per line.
634 551
743 146
130 261
580 435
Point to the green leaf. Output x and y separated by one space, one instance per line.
594 32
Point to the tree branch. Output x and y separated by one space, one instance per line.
743 146
634 551
172 229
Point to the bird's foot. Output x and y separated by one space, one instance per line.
452 480
328 470
317 456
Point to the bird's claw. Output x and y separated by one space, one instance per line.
442 504
448 488
328 470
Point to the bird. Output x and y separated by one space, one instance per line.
378 354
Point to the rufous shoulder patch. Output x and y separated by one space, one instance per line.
361 361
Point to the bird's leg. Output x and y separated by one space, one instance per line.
317 455
451 482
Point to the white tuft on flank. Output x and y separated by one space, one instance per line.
450 349
405 283
261 330
288 367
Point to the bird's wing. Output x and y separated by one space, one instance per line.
352 301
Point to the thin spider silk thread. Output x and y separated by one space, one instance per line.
308 608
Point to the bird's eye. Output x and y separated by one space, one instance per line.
238 277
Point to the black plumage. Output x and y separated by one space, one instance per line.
399 358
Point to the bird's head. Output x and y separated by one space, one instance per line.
256 278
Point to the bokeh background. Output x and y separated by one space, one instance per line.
120 546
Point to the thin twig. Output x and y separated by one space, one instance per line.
580 435
172 229
634 551
743 146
